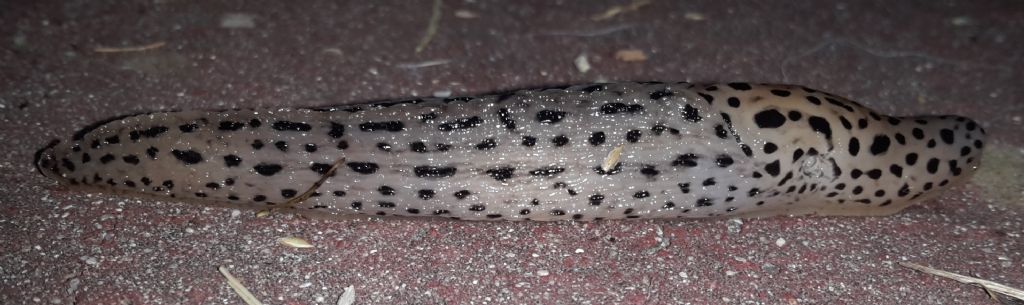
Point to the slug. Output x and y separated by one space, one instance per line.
600 151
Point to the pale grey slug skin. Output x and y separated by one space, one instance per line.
688 151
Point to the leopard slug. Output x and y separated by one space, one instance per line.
599 151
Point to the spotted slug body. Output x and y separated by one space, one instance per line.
682 150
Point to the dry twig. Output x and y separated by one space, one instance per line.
239 288
435 22
141 48
996 291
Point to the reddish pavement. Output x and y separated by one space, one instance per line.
927 57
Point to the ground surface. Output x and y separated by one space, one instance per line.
903 57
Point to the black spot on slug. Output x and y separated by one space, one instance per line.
130 159
425 171
633 136
392 126
723 160
547 171
291 126
487 144
267 169
337 130
649 170
720 132
186 128
418 146
613 108
560 140
186 156
501 174
529 141
821 125
739 86
320 168
687 160
708 182
733 102
550 116
839 104
880 145
917 133
896 170
657 95
773 168
68 164
933 165
854 146
462 123
425 194
770 118
691 114
874 174
230 125
593 88
506 118
151 152
365 168
946 135
597 138
154 131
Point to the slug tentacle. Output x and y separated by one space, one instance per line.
601 151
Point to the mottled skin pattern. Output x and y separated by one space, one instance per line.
688 151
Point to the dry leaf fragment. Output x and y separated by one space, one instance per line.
629 55
996 291
348 297
619 9
238 21
466 14
582 63
612 158
694 16
294 242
